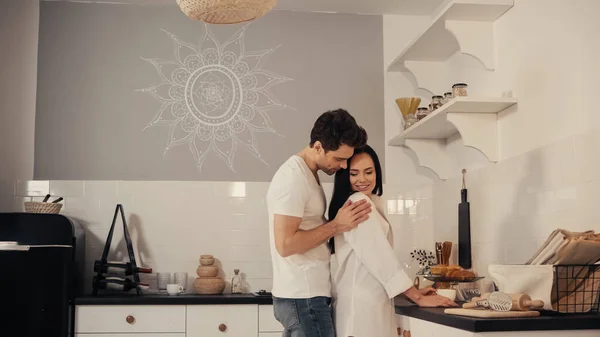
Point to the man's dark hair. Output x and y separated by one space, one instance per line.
337 127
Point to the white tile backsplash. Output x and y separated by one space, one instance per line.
173 222
515 204
67 188
27 188
518 202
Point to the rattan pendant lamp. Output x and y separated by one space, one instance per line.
225 11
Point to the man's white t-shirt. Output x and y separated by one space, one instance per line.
294 191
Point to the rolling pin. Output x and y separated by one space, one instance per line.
520 302
496 301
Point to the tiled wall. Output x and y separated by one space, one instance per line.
548 175
172 223
518 202
515 204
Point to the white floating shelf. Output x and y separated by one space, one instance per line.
474 118
460 25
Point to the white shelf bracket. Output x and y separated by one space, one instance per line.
475 38
431 154
434 77
479 131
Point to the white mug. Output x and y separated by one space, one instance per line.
174 289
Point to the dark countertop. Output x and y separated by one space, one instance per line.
160 299
547 321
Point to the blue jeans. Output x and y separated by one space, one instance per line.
310 317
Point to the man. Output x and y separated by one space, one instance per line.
299 232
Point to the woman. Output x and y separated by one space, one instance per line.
368 276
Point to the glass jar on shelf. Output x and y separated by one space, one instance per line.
459 89
447 97
410 120
422 113
436 102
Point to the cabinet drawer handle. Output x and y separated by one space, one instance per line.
130 319
222 327
406 333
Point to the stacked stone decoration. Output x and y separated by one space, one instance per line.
208 282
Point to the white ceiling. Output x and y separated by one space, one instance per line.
406 7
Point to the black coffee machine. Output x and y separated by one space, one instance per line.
41 271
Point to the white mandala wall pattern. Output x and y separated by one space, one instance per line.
214 97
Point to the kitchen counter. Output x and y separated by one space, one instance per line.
160 299
548 321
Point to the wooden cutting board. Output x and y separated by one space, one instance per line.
483 313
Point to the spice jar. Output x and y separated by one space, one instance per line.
422 113
430 108
447 97
459 89
436 102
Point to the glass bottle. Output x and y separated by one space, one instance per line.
236 283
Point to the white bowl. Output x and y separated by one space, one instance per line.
448 293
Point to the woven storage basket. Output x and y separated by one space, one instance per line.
207 271
207 261
42 207
209 285
225 11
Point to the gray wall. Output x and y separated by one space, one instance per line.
92 118
18 65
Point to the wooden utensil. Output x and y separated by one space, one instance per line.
438 252
490 313
446 252
496 301
520 302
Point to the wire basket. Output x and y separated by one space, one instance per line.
42 207
576 288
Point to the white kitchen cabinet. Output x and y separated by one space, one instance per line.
420 328
269 334
129 319
236 320
267 322
133 335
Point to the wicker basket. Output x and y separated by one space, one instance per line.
207 271
225 11
42 207
209 285
207 261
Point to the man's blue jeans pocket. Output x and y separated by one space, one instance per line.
310 317
286 312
